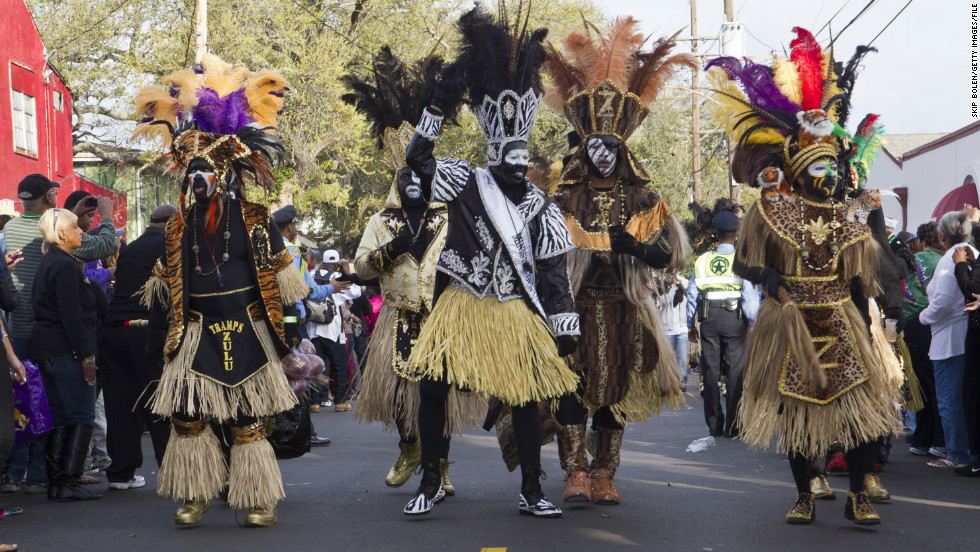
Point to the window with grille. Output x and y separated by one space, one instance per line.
25 123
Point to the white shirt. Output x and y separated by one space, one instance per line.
334 331
674 319
945 311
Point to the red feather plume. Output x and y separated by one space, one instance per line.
805 51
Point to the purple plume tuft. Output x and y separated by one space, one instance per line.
221 115
756 81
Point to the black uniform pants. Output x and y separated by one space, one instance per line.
128 374
722 334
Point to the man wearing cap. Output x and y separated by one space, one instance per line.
285 220
38 194
329 338
723 305
128 368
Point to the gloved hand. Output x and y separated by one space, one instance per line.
624 242
567 344
773 280
401 244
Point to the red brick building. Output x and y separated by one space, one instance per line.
35 115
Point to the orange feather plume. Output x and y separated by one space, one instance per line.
615 51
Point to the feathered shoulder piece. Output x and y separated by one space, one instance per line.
868 142
392 97
499 68
219 113
786 115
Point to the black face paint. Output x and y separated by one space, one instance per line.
819 180
602 154
410 189
513 166
202 180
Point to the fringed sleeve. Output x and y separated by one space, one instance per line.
759 244
292 287
156 291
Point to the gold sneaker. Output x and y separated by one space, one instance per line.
191 512
261 516
804 511
407 461
447 487
821 488
859 509
872 486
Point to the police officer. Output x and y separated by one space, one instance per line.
723 304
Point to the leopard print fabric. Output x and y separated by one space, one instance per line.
821 293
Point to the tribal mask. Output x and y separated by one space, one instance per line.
410 188
513 167
819 180
202 180
603 153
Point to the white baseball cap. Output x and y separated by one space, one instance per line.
331 256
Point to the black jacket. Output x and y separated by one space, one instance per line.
65 309
134 268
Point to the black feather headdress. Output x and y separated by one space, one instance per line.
499 67
392 97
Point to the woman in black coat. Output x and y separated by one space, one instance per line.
63 344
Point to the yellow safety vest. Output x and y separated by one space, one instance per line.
714 271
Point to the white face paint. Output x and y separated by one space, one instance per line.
414 190
821 168
517 157
602 159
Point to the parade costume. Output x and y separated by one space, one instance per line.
813 372
401 247
621 230
502 297
224 291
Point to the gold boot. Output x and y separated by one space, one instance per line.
447 487
859 509
803 511
872 486
261 516
407 461
191 511
821 488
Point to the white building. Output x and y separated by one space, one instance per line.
931 173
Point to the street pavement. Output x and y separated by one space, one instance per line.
724 499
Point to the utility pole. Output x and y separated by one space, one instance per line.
734 190
695 109
201 30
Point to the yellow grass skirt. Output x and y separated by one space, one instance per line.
393 400
494 348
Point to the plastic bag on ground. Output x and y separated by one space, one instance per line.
701 445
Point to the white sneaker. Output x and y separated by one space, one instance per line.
136 482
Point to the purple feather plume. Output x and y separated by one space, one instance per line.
757 83
219 115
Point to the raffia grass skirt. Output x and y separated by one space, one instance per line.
393 400
498 349
181 391
858 416
645 397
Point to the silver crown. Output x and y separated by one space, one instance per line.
507 119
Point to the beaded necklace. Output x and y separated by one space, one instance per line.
818 231
212 248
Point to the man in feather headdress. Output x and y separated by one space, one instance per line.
502 315
401 247
819 367
621 229
224 292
